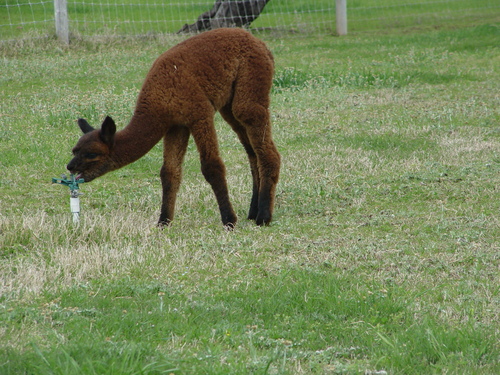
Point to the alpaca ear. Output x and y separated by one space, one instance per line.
108 130
84 126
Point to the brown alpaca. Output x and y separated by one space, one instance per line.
225 70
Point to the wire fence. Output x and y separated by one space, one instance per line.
86 18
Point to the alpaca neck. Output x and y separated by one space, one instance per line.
136 139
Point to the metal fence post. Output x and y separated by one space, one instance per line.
341 16
62 24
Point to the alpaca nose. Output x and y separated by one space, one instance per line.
71 165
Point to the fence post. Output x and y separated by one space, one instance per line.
62 24
341 16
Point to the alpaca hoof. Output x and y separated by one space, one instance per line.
263 220
163 223
229 220
229 226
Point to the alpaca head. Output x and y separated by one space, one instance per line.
92 155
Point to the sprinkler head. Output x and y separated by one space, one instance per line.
72 182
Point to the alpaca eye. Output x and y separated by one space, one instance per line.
91 155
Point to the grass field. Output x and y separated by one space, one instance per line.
383 257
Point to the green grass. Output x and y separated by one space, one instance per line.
383 256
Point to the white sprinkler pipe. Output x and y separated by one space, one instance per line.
74 203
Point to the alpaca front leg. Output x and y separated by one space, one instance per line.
214 172
252 158
170 186
254 203
227 114
213 169
174 148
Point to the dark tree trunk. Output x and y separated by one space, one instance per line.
227 13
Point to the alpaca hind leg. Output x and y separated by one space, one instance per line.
174 148
269 163
252 158
250 106
255 119
213 169
257 123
